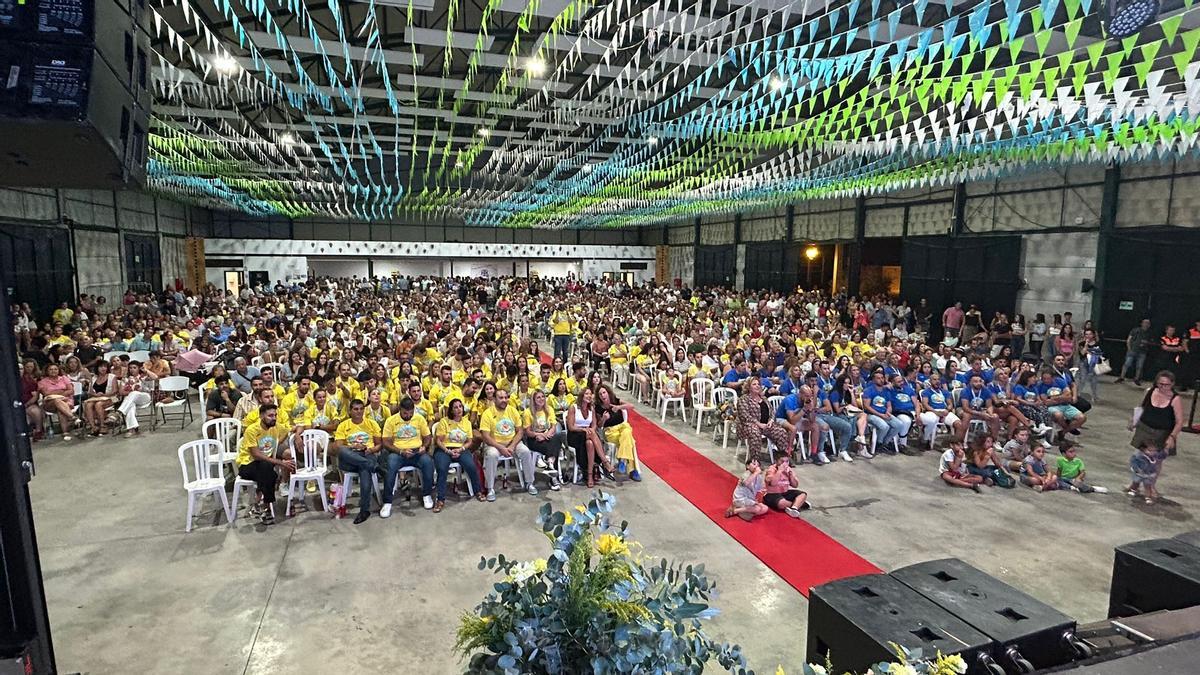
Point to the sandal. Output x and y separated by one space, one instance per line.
438 506
480 496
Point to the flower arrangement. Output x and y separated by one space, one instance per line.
908 662
592 606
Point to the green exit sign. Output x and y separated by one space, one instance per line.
1126 305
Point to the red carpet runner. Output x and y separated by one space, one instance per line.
801 554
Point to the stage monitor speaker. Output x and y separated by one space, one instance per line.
855 621
75 105
1152 575
1029 633
1190 538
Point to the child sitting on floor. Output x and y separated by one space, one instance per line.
1071 473
954 471
1017 449
745 495
1146 465
1035 473
983 462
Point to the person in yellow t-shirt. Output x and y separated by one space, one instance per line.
562 324
452 438
297 403
543 435
357 443
407 437
502 428
422 405
560 397
263 449
322 415
375 408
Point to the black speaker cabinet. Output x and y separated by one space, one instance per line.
1190 538
75 105
1029 633
1152 575
854 621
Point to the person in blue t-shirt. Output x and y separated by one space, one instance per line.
906 405
1056 394
842 428
737 374
975 403
799 410
877 403
792 382
937 407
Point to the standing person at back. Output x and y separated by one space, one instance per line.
952 320
562 325
1137 346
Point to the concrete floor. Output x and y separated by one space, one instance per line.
128 589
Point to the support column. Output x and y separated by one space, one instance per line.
1108 225
739 265
695 252
960 210
854 264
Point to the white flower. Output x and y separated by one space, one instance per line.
521 571
901 669
818 670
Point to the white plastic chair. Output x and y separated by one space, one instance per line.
238 484
199 478
177 387
352 476
720 396
702 399
140 357
52 417
109 356
875 441
666 401
620 375
315 449
228 432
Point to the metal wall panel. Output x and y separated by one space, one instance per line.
887 222
1143 203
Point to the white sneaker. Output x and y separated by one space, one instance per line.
865 454
822 458
427 501
860 439
554 484
386 511
1100 489
792 511
845 456
491 495
531 489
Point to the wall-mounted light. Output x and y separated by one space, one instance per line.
812 252
226 64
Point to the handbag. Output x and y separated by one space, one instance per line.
1103 367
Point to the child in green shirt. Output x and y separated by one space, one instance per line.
1072 475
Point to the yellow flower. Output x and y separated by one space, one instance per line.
581 508
609 544
486 619
949 665
567 519
539 565
779 670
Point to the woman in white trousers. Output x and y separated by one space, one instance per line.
133 395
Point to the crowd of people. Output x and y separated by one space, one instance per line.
440 375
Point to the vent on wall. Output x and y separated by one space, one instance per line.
635 266
223 262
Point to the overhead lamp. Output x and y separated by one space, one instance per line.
653 140
485 132
458 164
535 67
287 138
1123 18
812 252
777 83
586 168
226 64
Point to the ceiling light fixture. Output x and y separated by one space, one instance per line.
287 139
536 67
458 164
485 132
226 64
653 140
776 83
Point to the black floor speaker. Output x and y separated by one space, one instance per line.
1029 634
1152 575
854 622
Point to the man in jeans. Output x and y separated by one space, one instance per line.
562 325
843 430
406 435
357 444
1137 345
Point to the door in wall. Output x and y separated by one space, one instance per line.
142 261
716 265
36 267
